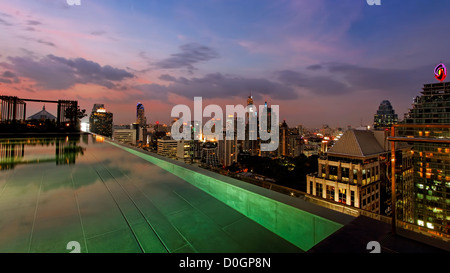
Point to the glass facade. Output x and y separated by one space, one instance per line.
385 116
431 157
101 123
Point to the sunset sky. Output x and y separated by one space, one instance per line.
322 61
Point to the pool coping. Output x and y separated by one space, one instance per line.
329 214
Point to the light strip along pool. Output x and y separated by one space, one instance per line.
301 228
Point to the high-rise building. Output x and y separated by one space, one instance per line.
210 155
250 143
140 115
167 147
427 128
228 151
282 141
385 116
141 122
185 151
101 121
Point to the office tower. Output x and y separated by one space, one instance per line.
282 140
228 150
140 115
141 121
185 151
228 146
101 121
251 145
210 156
167 147
270 115
385 116
427 127
98 106
301 130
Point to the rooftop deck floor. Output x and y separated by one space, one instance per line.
114 201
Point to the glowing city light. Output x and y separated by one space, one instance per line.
440 72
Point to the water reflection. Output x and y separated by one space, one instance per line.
33 150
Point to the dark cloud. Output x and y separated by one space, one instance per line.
314 67
4 22
45 42
30 29
167 77
9 74
190 55
152 91
5 14
217 85
382 80
33 23
342 78
98 32
318 85
53 72
9 77
5 80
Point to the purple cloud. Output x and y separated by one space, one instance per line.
53 72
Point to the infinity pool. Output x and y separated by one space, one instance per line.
109 198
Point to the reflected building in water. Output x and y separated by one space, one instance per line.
13 152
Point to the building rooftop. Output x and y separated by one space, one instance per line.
43 114
358 143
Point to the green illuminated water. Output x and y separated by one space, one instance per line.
109 198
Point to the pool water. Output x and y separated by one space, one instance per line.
110 198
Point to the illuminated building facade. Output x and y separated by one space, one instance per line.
167 147
101 121
210 155
427 128
353 170
385 116
141 122
125 135
251 145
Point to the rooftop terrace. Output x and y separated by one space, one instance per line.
113 198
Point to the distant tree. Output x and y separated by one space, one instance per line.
75 115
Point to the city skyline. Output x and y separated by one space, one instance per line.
323 63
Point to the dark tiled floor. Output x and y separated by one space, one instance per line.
113 201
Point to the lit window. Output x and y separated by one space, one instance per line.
420 223
430 225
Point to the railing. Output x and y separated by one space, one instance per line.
347 209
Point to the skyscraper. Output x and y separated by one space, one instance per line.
141 122
251 145
427 128
101 121
385 116
140 115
